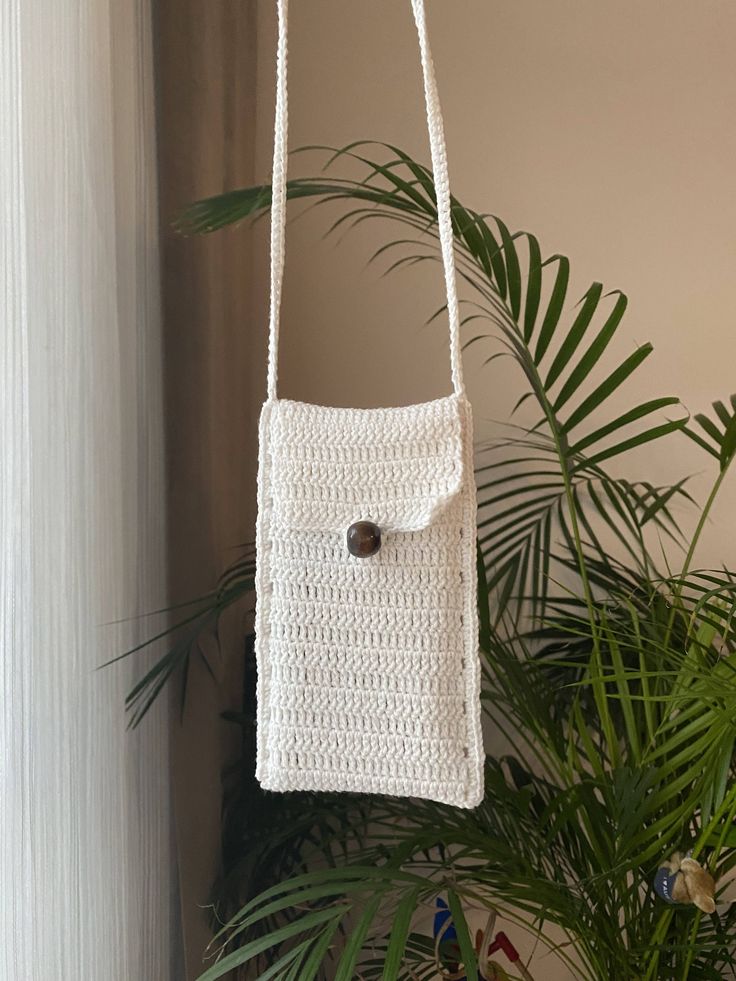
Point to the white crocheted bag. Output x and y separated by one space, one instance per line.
366 615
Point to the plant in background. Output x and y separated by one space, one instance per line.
609 676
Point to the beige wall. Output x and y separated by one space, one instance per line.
604 128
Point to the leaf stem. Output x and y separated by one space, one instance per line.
694 541
704 515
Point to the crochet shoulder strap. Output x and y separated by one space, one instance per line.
442 185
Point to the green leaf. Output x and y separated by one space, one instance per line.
290 958
592 356
399 933
513 270
467 951
346 967
696 438
607 387
723 414
575 335
335 881
495 257
709 427
255 947
533 288
647 436
728 444
319 950
554 307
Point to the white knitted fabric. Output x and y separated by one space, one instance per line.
368 674
368 670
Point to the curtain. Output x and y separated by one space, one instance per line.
86 885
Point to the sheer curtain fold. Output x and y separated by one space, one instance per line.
86 886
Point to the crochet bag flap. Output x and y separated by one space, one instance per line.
396 467
366 589
367 666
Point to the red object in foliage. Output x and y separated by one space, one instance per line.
503 943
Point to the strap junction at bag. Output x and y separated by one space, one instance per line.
441 181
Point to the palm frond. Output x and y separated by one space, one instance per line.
717 436
236 584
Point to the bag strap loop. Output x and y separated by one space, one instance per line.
441 180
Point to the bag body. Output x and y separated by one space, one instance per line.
367 647
368 674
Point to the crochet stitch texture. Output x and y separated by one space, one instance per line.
368 672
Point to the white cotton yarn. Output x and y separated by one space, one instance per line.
368 669
368 672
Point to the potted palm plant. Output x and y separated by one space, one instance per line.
608 665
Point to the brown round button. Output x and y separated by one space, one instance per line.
364 539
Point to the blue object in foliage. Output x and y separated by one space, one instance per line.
664 884
440 918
